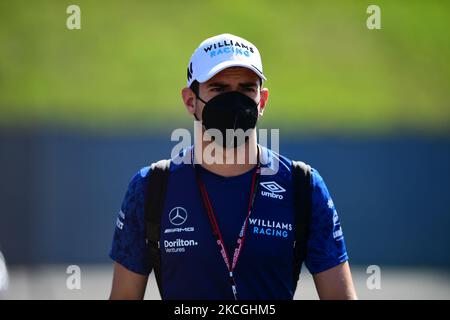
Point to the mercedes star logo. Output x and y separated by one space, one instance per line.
178 216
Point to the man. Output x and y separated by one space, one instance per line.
227 227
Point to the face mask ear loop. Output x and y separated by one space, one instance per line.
197 96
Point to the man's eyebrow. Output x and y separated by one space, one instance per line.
218 84
248 84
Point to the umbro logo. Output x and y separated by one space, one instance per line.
272 186
273 190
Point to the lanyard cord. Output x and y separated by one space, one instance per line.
215 226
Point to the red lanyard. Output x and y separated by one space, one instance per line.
216 230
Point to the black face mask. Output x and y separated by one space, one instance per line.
231 110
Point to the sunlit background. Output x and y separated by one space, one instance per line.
82 110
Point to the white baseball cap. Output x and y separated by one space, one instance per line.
221 52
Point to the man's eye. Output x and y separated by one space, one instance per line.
217 89
250 89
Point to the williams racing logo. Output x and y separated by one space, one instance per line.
272 190
270 228
227 47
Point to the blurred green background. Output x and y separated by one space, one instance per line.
82 110
326 71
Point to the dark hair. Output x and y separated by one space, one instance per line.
195 86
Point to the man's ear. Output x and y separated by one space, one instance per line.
188 97
264 97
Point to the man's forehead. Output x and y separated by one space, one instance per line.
240 74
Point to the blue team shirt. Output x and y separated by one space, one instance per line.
191 264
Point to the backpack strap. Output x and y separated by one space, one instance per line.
302 194
153 206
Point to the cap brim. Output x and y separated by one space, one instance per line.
228 64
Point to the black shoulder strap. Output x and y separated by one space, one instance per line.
153 206
301 175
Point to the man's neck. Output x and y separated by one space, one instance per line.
235 162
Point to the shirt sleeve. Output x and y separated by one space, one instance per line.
128 246
326 246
